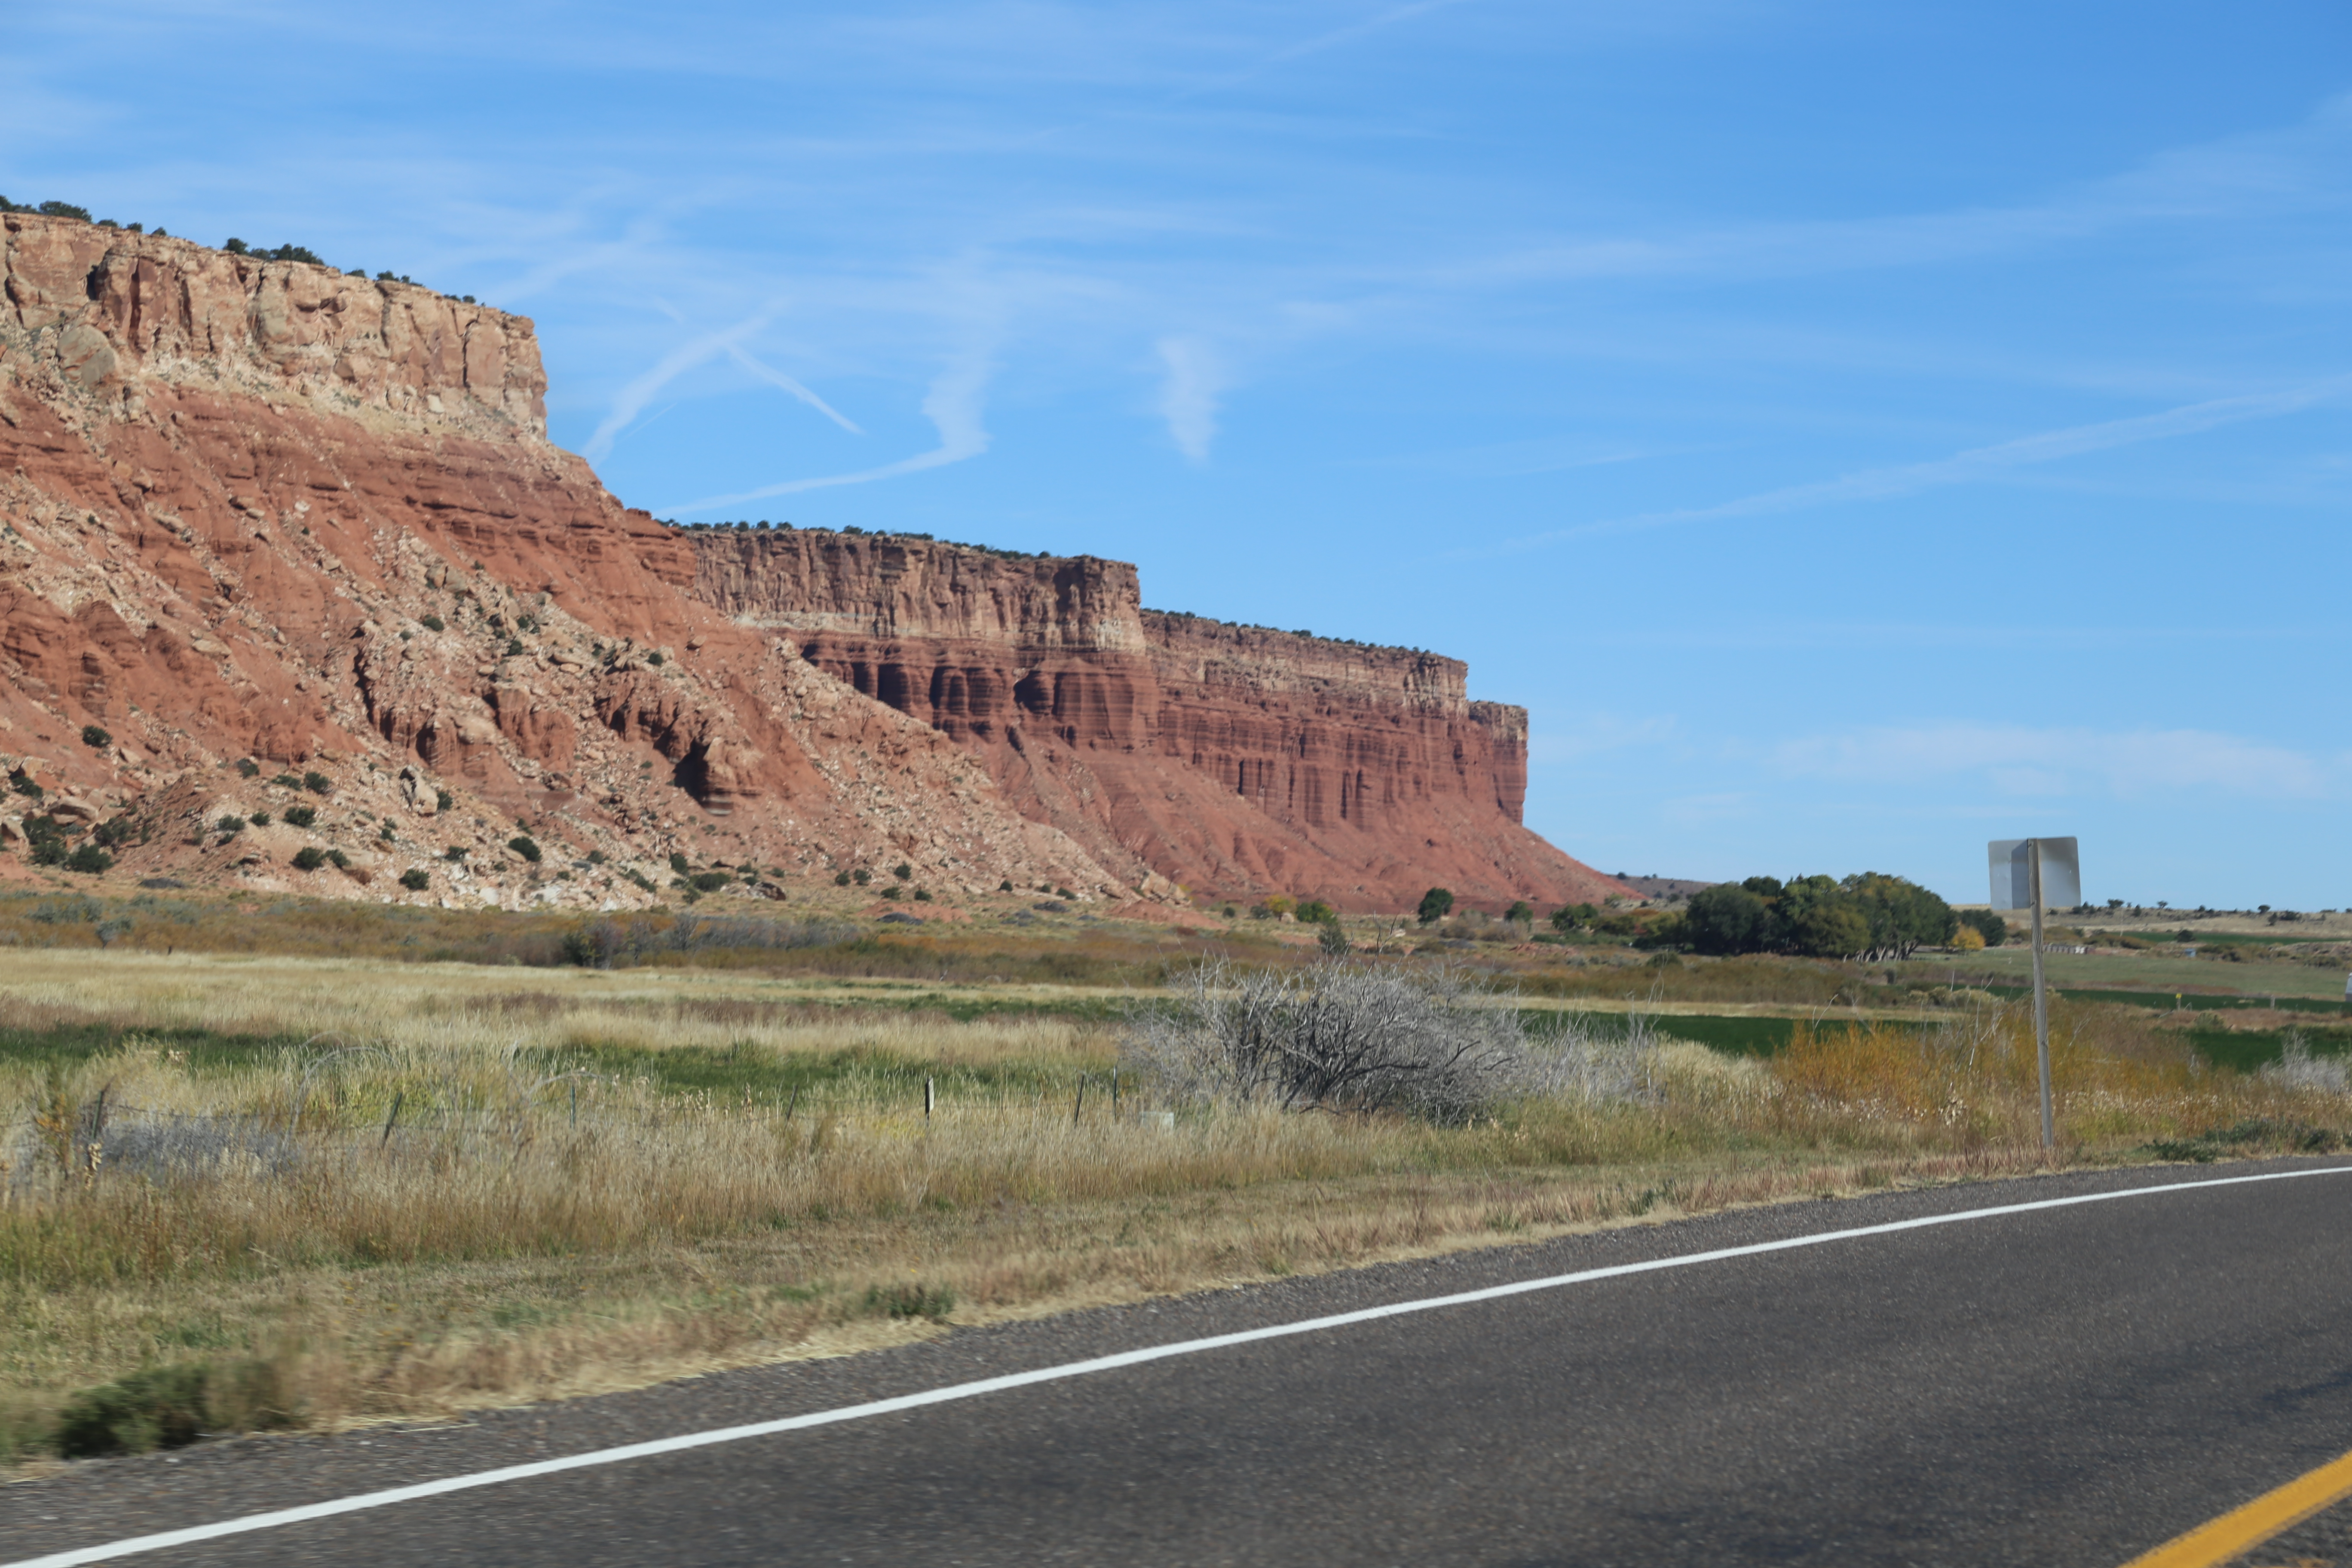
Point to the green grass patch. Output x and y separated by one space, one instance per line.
2248 1050
911 1301
2260 1135
1732 1035
169 1407
862 1075
69 1045
2193 1000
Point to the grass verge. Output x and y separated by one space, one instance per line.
347 1192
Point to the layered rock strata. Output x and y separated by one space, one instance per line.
1228 760
261 520
272 514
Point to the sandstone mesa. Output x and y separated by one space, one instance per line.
266 510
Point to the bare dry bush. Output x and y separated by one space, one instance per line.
1336 1036
1598 1059
2298 1069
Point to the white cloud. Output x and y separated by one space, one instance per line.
1597 733
953 408
2020 760
1321 42
2295 167
1977 463
1698 810
1514 459
1188 397
777 378
632 399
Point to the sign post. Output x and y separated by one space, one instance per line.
2040 869
2041 997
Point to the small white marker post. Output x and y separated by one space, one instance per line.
2006 858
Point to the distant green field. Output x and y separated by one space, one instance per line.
1736 1037
2241 938
2191 1001
2256 1048
2244 1050
2151 971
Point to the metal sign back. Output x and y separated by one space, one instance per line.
2061 873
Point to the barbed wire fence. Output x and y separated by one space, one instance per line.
108 1135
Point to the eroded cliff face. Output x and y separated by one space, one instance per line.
1229 760
270 512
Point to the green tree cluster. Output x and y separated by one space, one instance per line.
1867 915
1989 924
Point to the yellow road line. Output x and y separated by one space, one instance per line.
2266 1516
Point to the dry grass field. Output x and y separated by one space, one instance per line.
2316 975
350 1189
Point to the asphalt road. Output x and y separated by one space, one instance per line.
2068 1386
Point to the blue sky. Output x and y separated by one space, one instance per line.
1855 432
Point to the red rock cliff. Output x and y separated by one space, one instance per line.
1231 760
271 512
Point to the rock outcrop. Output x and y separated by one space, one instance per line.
1228 760
263 520
266 513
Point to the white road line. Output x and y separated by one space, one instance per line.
364 1501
